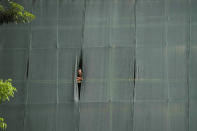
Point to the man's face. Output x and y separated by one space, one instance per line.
80 72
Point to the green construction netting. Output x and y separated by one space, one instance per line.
139 66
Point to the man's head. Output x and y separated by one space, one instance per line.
79 72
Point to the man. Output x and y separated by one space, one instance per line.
79 76
79 79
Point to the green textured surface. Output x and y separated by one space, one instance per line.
139 66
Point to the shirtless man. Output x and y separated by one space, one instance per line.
79 76
79 79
